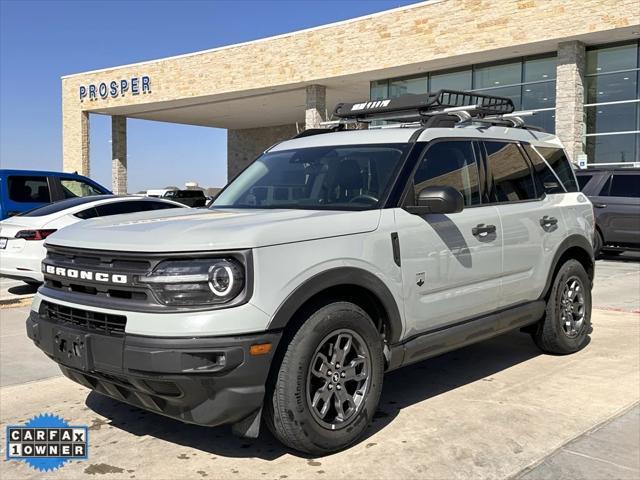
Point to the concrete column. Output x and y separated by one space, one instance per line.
119 154
75 141
316 106
244 145
570 97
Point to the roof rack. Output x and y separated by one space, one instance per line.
411 107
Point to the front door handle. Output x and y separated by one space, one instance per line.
548 222
599 205
482 230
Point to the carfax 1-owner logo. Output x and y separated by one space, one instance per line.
46 442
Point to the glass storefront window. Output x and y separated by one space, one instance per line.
497 75
379 90
514 93
613 148
408 85
539 69
612 87
612 59
545 119
458 80
619 117
539 95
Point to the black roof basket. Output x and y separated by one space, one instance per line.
411 107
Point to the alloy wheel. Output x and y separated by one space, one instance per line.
572 307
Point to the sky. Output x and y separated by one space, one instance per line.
42 40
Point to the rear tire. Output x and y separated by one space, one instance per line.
597 244
317 405
566 325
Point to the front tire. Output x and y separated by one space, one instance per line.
329 381
566 325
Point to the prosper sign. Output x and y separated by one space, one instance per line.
115 88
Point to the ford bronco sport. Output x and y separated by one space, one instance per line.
334 257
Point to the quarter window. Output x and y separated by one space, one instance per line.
583 180
512 180
625 186
556 158
78 188
28 189
546 181
453 164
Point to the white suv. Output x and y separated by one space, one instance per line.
334 257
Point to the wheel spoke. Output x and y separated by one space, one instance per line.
320 366
355 370
342 348
324 395
340 399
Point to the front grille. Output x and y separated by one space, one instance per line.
105 323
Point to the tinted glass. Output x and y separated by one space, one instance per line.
612 87
88 213
557 159
379 90
60 206
497 75
450 164
611 118
514 93
545 120
546 181
189 194
460 80
540 69
604 191
332 177
511 174
117 208
405 86
611 59
583 180
539 95
625 185
27 189
613 148
77 188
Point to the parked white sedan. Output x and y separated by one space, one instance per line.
22 237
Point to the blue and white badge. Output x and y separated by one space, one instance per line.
46 442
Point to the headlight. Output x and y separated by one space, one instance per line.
196 282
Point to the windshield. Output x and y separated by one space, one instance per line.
332 178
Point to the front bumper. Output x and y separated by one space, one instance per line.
207 381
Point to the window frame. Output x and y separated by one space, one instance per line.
50 186
408 197
525 157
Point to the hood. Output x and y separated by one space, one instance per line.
202 230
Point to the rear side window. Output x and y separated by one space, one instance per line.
546 180
512 180
78 188
118 208
625 186
453 164
556 158
28 189
583 180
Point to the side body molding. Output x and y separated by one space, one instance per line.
335 277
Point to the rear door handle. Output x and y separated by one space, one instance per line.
482 230
599 205
548 222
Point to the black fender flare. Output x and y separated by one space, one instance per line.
572 241
332 278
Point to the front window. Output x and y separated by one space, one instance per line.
78 188
328 178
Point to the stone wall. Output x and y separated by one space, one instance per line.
244 145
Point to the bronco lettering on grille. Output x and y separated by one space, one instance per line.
85 274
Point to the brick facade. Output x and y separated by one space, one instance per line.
119 154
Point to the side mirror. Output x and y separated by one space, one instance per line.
441 200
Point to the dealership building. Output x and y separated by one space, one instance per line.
575 63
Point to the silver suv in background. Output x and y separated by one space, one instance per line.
336 256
